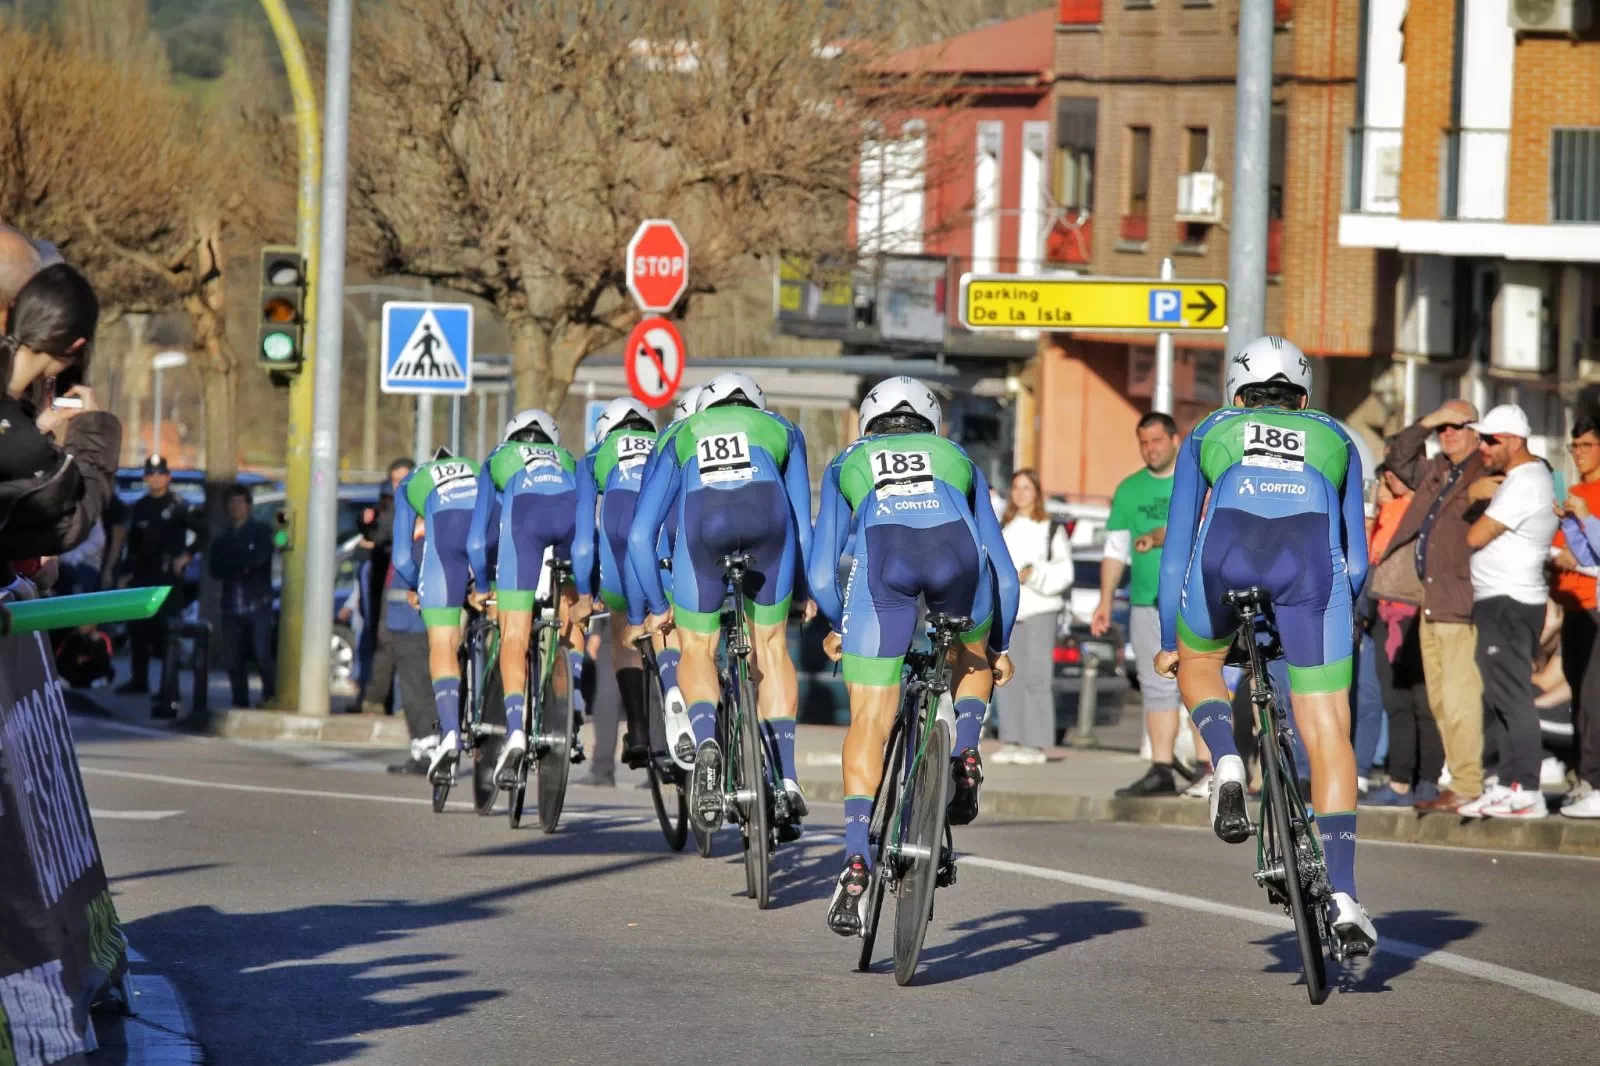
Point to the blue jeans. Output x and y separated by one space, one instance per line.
1367 707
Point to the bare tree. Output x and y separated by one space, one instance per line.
139 188
508 150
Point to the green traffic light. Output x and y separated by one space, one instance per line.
278 347
280 539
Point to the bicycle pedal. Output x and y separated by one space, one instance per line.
946 876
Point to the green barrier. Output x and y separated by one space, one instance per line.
68 612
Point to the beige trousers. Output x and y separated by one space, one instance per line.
1455 695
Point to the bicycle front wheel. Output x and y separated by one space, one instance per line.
883 804
921 838
1283 818
753 786
555 745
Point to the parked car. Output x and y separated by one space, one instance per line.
1074 643
1085 523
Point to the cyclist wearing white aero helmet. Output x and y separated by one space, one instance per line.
918 513
1285 512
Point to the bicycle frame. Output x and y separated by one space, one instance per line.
737 647
927 679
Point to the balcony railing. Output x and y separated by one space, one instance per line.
1575 175
1372 170
1472 174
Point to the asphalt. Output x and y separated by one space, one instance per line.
307 908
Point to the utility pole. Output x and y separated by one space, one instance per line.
297 476
322 518
1252 154
422 448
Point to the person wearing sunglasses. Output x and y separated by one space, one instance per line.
58 452
1427 563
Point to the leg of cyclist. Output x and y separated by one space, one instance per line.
973 688
616 515
769 595
440 592
1202 689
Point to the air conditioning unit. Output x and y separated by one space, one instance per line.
1386 183
1518 337
1546 16
1199 197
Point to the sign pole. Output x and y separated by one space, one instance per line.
322 517
1252 152
1162 400
422 446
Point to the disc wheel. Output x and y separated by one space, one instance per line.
518 793
486 752
1282 846
753 783
921 835
555 746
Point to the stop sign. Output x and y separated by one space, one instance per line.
658 265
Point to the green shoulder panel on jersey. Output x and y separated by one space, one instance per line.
508 459
431 475
760 429
858 476
623 444
1324 446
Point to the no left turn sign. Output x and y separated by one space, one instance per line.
654 359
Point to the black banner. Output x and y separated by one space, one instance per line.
61 944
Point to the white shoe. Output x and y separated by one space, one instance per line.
448 751
1183 750
1492 794
1228 815
1444 779
797 798
1518 803
1552 774
1006 754
511 754
1586 806
680 734
1351 926
1021 755
1201 789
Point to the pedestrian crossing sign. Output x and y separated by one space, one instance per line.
427 348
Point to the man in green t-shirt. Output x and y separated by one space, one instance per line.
1135 533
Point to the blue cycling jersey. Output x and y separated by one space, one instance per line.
612 474
443 492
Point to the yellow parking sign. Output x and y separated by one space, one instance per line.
1107 305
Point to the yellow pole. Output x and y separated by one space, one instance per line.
297 478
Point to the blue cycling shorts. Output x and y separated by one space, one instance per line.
616 515
537 522
442 585
893 566
752 518
1296 560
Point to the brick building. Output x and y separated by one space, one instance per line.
1475 169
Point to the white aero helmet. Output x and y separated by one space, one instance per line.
1263 360
727 385
532 418
617 412
900 394
684 406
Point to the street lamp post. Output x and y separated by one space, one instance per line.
163 361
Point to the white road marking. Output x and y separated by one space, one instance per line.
131 816
1578 999
1567 995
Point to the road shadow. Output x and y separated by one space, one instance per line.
1404 937
804 871
1007 938
264 987
165 871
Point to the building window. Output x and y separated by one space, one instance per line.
1139 171
1197 144
1071 237
1279 131
1575 175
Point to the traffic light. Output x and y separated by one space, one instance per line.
283 297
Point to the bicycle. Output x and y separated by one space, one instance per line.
1289 860
552 724
752 797
910 832
478 660
669 783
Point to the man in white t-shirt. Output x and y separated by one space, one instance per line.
1510 542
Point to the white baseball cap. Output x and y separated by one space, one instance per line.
1508 419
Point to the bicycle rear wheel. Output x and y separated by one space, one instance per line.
518 793
670 795
887 798
921 838
555 745
1275 769
753 785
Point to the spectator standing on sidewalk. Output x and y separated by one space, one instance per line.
1039 548
1575 560
408 643
159 526
1511 544
1433 535
1135 532
240 558
1416 754
378 651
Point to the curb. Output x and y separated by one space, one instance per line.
156 1028
1554 835
387 730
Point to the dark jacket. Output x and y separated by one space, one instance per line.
51 497
241 558
158 534
1447 578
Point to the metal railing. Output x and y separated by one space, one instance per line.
1372 170
1472 174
